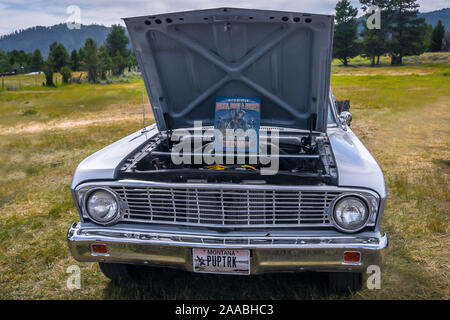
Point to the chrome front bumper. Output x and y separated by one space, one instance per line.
269 252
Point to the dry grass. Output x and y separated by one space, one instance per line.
402 118
409 61
404 121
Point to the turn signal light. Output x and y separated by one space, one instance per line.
99 248
352 256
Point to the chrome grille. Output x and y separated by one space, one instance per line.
225 207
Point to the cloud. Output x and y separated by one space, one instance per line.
427 5
21 14
14 19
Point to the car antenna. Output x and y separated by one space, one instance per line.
144 129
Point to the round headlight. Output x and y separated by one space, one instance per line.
102 206
350 213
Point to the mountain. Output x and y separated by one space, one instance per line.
40 38
432 17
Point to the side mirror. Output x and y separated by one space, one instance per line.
342 105
346 117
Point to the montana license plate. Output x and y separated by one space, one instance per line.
221 261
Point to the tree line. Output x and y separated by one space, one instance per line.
111 58
401 32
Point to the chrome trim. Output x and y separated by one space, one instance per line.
82 189
269 253
223 186
348 195
211 241
119 213
346 118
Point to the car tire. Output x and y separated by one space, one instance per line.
118 272
345 282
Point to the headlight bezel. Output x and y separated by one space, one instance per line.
344 196
88 194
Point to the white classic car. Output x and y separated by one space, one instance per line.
320 210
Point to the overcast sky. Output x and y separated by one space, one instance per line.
21 14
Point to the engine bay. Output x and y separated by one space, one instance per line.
299 157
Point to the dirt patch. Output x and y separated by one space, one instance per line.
65 125
30 91
115 113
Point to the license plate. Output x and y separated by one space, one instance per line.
221 261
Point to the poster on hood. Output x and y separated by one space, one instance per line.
237 116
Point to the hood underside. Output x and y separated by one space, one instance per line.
189 58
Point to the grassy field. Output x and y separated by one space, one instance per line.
425 58
401 114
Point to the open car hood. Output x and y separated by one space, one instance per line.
189 58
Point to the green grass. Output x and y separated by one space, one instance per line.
44 104
403 118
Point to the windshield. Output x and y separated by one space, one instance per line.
330 119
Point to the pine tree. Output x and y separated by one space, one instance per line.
132 62
49 69
374 43
90 59
13 57
74 60
36 61
118 64
19 60
117 40
437 36
427 37
105 62
66 74
406 30
5 66
345 43
60 56
81 56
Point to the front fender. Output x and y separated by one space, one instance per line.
103 164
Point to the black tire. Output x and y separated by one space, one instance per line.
345 282
117 272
